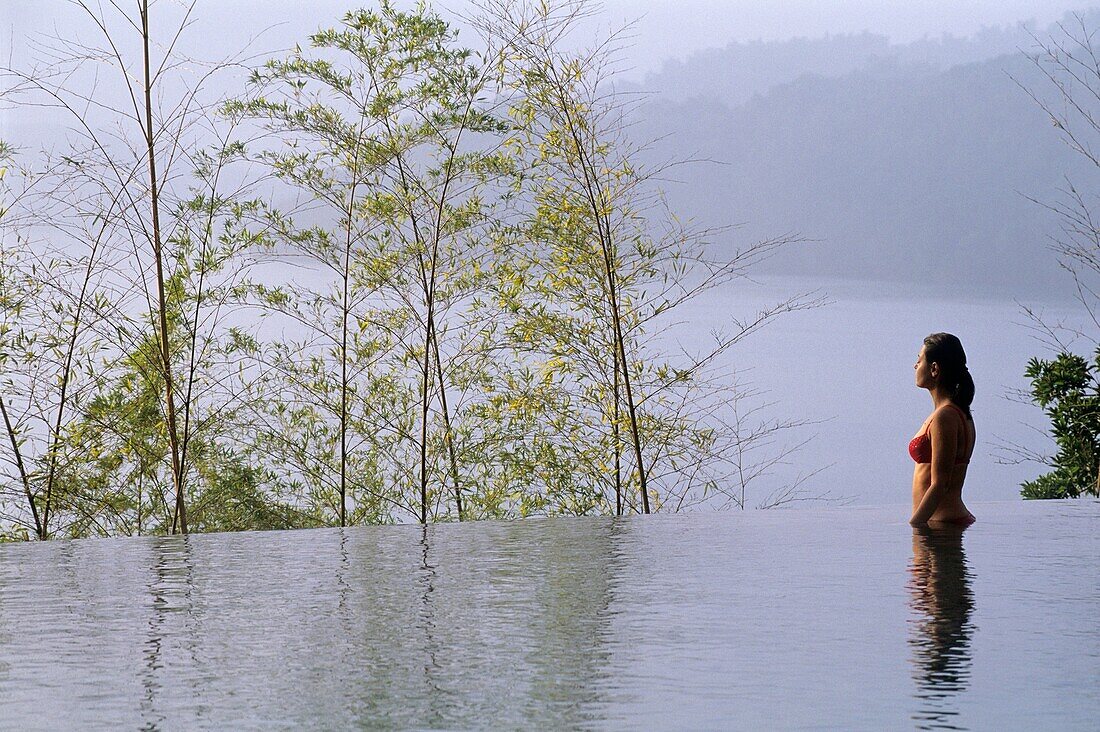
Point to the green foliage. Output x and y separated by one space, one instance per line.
459 270
610 422
1068 390
380 124
117 477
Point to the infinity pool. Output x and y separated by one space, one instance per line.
792 619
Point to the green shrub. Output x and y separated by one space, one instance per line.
1068 390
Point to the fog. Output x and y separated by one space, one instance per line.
674 29
658 29
895 136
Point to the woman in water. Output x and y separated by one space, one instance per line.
943 447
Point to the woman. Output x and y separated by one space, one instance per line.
943 447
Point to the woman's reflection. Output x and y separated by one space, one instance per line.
940 630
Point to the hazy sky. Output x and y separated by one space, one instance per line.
675 28
664 28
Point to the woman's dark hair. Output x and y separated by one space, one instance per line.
946 350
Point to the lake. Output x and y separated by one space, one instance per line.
848 366
820 618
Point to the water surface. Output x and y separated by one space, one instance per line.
796 619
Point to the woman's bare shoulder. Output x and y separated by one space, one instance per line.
946 417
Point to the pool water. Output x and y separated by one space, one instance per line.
820 618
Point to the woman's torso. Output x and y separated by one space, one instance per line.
951 506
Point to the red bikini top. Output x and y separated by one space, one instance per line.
920 447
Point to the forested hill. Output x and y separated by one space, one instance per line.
902 170
736 72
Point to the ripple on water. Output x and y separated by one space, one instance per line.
796 619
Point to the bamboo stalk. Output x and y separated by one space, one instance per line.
40 528
448 437
179 514
607 246
615 441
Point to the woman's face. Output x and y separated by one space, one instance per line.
925 371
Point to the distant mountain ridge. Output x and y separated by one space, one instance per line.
739 70
903 170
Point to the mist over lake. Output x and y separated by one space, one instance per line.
912 174
924 163
887 154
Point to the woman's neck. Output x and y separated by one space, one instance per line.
940 396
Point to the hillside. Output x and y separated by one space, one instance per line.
900 170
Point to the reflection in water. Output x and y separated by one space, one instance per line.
940 632
707 621
427 622
523 608
170 587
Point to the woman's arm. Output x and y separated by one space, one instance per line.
943 431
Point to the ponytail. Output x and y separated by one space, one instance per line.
964 392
